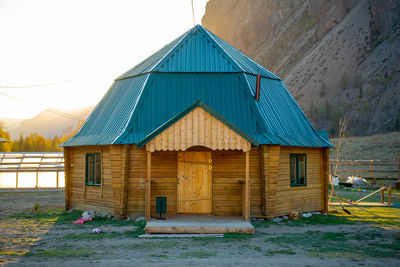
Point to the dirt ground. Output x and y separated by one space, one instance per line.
48 238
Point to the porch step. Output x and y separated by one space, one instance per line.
179 235
193 225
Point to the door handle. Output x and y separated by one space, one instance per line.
187 179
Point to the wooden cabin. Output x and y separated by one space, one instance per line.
203 125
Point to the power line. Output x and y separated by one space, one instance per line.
57 112
194 20
43 84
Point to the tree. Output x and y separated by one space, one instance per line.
5 146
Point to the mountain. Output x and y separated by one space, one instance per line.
338 58
50 123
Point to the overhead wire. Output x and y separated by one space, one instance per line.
194 20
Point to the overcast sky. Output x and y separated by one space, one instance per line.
79 47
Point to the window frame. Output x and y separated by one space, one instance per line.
297 176
93 156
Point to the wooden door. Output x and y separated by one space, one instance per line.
194 182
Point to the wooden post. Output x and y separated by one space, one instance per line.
263 172
389 195
398 166
382 196
371 168
67 175
124 177
16 179
247 189
148 187
57 181
325 178
37 178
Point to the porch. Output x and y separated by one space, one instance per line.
198 224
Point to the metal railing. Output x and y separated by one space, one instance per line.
32 162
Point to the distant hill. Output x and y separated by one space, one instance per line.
49 123
337 58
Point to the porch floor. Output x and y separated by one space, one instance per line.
186 224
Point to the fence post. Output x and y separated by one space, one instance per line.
57 179
372 176
382 196
389 194
398 166
37 179
16 179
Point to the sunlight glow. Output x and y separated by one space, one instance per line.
89 42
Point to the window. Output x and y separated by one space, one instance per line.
298 170
93 169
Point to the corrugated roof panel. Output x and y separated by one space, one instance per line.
148 64
110 117
247 64
196 54
169 94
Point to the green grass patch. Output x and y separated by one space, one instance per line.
159 256
238 236
282 251
134 233
337 244
12 253
60 253
198 254
89 236
329 219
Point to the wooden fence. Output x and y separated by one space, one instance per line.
373 170
32 162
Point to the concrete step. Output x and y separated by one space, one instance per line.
199 226
179 235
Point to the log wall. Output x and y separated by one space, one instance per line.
83 197
281 198
124 173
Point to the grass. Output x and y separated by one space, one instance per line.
282 251
352 194
381 146
237 236
89 236
61 253
336 244
198 254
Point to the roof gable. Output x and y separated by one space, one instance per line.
198 125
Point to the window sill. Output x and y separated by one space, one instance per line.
93 184
298 185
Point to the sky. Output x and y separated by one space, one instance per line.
65 54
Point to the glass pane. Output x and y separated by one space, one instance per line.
292 169
302 169
90 169
97 168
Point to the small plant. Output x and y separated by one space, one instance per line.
357 81
323 90
343 81
36 207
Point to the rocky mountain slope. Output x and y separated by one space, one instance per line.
338 58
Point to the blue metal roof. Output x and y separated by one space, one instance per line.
198 68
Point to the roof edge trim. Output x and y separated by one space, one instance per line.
171 72
180 115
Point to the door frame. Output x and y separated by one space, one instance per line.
210 171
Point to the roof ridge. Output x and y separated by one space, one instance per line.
221 48
189 35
